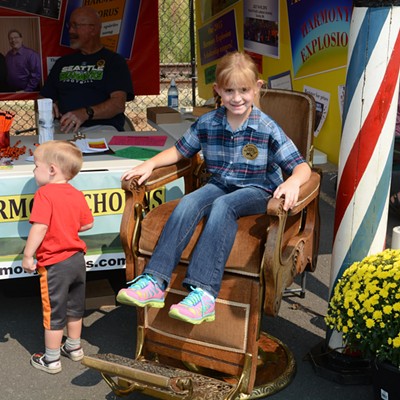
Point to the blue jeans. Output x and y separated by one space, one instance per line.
221 207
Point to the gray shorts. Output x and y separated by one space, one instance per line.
62 288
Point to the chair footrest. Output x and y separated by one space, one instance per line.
156 379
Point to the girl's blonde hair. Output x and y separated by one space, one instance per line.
62 153
236 69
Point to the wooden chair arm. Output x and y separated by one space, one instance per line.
160 176
308 192
292 242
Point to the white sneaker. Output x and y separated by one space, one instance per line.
38 361
74 355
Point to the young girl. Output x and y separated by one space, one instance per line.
245 151
59 212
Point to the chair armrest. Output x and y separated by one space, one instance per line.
308 192
160 176
292 242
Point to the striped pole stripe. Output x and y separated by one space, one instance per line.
366 151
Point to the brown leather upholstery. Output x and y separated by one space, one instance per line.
251 234
269 251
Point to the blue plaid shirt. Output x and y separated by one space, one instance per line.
223 149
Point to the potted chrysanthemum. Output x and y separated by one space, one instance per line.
365 308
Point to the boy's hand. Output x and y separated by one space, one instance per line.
28 264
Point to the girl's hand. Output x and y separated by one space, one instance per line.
291 192
291 187
143 170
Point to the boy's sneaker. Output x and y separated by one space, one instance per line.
74 355
38 360
144 291
197 307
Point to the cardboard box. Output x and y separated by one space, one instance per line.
198 111
98 294
163 115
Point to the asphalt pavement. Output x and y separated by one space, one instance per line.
300 325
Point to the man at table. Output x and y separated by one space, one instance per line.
89 87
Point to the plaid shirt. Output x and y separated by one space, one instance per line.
227 157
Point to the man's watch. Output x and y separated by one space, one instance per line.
90 112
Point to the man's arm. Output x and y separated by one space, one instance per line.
72 120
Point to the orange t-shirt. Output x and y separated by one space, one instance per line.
64 210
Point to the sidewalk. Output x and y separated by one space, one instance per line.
300 325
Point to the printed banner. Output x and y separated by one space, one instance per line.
106 200
129 27
319 33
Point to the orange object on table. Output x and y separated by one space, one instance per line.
6 120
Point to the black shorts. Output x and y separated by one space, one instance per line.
62 288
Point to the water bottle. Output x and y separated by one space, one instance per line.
173 100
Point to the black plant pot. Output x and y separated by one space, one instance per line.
385 381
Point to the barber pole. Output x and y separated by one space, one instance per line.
366 151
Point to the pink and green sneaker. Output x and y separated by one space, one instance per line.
197 307
144 291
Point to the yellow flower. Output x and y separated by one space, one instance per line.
350 323
370 323
387 309
350 312
365 306
377 314
396 342
384 293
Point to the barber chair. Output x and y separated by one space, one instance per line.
230 358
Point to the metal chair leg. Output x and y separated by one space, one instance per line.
301 291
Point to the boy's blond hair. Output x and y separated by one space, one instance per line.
65 155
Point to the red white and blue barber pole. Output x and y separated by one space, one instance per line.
366 151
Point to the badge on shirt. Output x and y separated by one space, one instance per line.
250 151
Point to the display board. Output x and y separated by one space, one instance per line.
128 27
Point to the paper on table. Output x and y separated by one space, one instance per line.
46 124
92 145
45 105
138 140
136 153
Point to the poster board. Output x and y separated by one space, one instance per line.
128 27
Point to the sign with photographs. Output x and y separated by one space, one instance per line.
39 31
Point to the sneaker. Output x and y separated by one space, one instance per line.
38 360
197 307
74 355
144 291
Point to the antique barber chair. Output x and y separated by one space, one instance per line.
229 358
